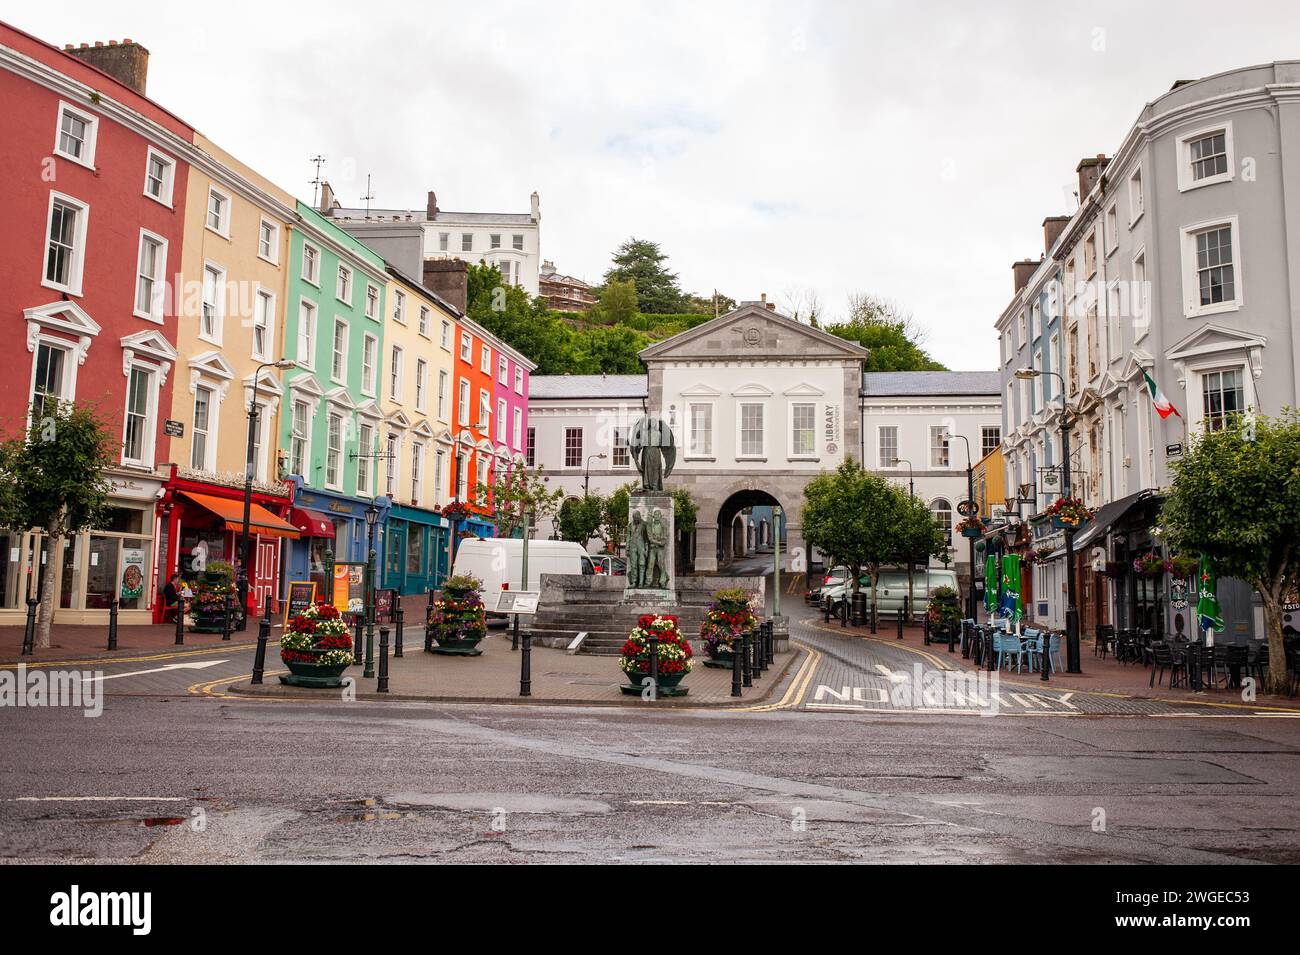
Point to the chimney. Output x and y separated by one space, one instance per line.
448 278
328 203
1090 170
536 207
431 210
127 62
1053 226
1023 271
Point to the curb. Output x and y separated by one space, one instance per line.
134 656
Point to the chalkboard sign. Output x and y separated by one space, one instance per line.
302 593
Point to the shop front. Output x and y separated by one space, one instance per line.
415 550
336 533
115 560
202 522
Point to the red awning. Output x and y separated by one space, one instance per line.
260 520
311 523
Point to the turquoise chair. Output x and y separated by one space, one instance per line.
1033 646
1011 648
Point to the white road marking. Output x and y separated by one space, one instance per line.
100 799
175 666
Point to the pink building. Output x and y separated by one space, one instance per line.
511 372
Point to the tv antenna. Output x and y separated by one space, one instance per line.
316 183
368 196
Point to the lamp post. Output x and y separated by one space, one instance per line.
970 496
1072 657
586 470
372 518
911 485
250 465
555 527
776 560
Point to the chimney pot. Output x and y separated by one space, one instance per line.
1022 271
126 62
431 209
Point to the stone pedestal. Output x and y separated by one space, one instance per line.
781 633
650 518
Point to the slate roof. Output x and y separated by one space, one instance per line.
587 386
922 383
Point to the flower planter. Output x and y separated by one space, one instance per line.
669 684
719 657
674 655
457 621
456 646
315 635
974 533
316 675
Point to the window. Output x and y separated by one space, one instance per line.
76 139
1222 397
518 243
803 434
159 176
503 266
1214 278
1021 336
938 446
333 449
990 438
1113 306
212 310
444 383
339 352
444 241
485 360
439 468
421 382
573 447
530 449
263 324
1090 255
466 346
942 511
501 421
365 450
417 472
399 306
51 382
137 431
1072 357
268 236
503 370
390 463
1208 156
494 240
751 430
306 332
622 457
395 374
1110 234
1049 381
343 285
462 411
519 380
65 243
887 446
298 444
1135 198
311 265
467 242
1094 361
462 477
445 337
369 352
201 430
150 277
700 443
1035 321
423 328
484 412
218 217
372 302
517 435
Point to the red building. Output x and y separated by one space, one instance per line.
93 192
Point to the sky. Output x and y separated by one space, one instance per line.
904 150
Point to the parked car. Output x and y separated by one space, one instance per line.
609 564
498 563
836 575
891 589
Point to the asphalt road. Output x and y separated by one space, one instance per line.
169 775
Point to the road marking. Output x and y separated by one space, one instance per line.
196 665
100 799
794 693
150 658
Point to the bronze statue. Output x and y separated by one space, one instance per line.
656 562
636 552
653 451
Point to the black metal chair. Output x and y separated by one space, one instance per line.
1162 659
1105 640
1237 660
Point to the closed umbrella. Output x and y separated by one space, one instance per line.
992 583
1011 604
1207 602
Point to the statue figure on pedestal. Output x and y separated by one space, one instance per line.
653 451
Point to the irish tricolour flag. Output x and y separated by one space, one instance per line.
1164 407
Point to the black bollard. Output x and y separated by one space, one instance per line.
756 656
844 613
526 665
225 621
112 624
382 685
952 637
826 608
735 670
771 642
370 649
965 640
29 634
653 644
925 630
263 634
746 674
398 617
875 617
180 622
900 626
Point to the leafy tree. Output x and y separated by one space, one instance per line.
893 337
707 304
853 517
618 303
1236 499
685 511
608 349
616 509
516 494
918 536
581 518
641 261
53 479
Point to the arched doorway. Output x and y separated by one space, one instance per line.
738 524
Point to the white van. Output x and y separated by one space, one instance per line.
498 561
892 588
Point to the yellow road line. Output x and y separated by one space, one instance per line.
795 692
221 648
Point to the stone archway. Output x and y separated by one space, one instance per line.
735 535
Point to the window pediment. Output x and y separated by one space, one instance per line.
66 317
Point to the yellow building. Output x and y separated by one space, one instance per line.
990 483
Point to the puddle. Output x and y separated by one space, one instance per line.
164 820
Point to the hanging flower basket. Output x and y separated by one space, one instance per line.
1069 513
971 527
1180 566
1149 564
675 656
729 615
457 620
455 511
316 647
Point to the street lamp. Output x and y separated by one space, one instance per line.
1072 657
555 527
246 538
911 485
970 496
586 470
372 518
776 561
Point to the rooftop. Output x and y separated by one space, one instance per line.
419 215
921 383
587 386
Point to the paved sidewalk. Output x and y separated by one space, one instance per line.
1100 675
493 677
69 642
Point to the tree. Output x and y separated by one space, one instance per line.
853 516
918 535
618 303
709 305
684 511
53 479
515 495
657 290
609 350
616 509
581 518
892 335
1236 498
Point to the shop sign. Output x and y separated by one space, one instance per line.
132 572
831 427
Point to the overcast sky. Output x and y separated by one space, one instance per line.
909 150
